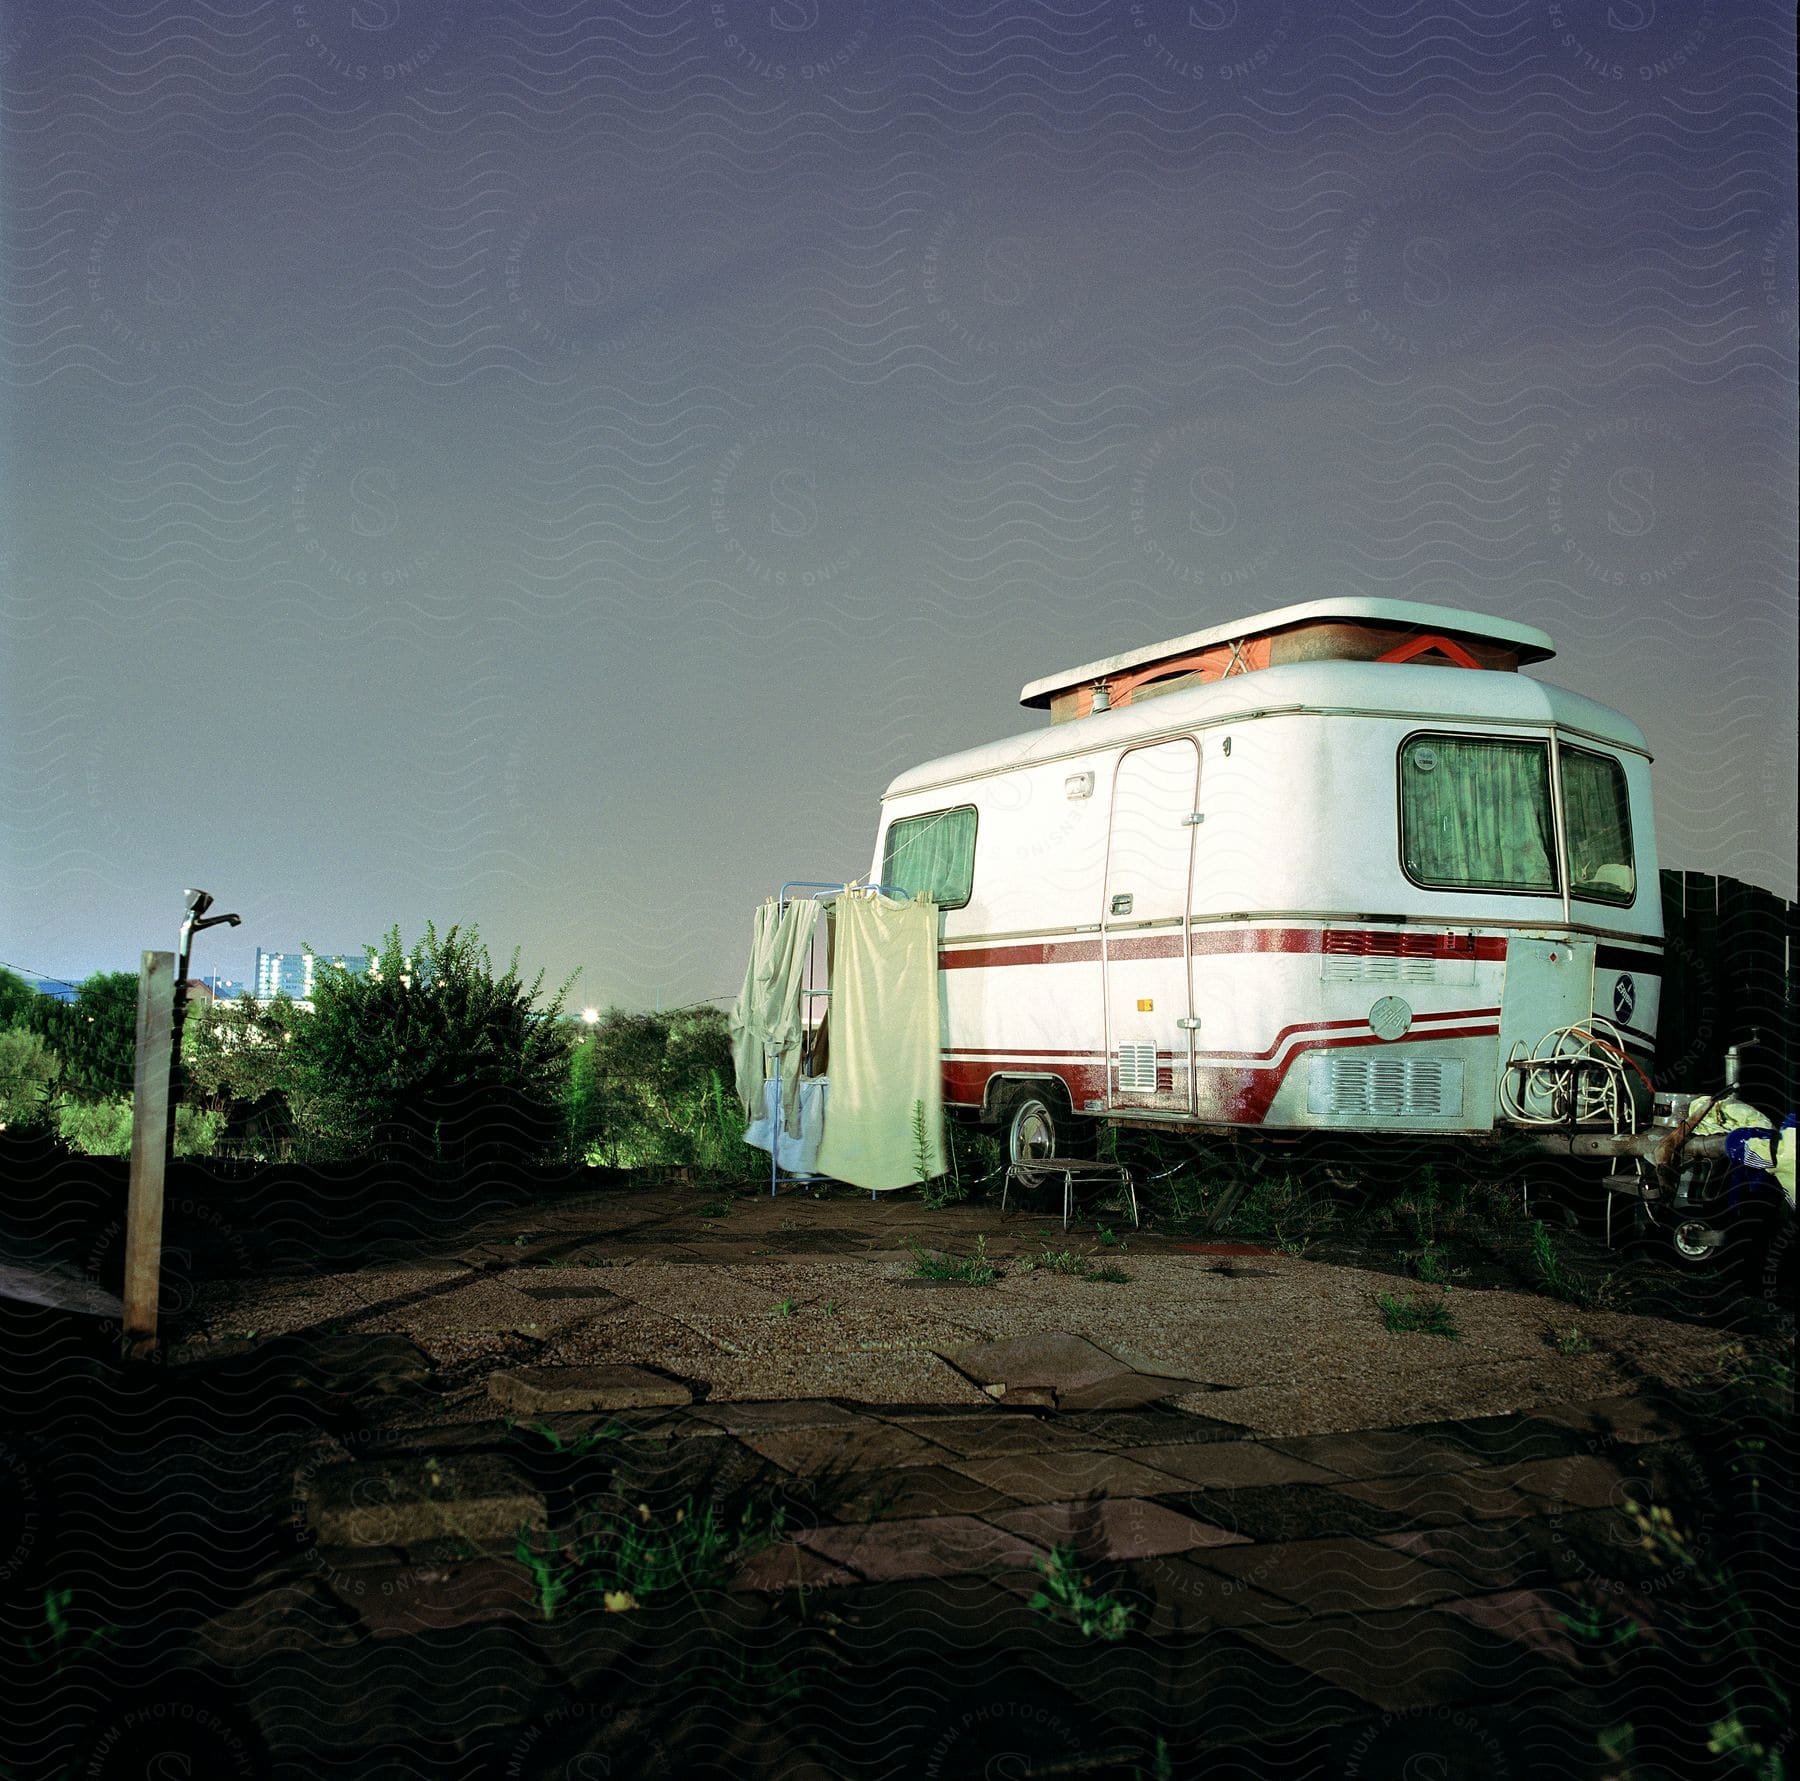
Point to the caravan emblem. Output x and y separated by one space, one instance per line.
1624 997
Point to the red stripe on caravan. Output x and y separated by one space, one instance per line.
1210 941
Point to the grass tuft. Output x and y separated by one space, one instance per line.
1415 1316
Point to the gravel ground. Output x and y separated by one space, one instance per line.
1301 1345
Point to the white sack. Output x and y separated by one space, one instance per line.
885 1057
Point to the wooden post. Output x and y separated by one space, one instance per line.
149 1153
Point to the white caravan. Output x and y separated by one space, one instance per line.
1339 866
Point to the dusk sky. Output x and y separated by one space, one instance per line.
550 465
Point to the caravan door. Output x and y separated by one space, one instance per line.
1144 918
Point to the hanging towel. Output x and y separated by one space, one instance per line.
767 1014
886 1057
798 1156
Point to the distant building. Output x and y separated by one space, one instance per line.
291 973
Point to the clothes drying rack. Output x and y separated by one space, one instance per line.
822 892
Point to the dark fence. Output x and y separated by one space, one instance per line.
1729 973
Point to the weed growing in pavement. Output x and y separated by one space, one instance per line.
784 1307
1571 1341
1427 1317
576 1446
1427 1264
1557 1281
717 1209
1069 1596
1110 1276
971 1270
60 1641
1109 1238
623 1560
1051 1261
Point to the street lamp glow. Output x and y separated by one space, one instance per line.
591 1016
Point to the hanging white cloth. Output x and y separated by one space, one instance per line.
887 1078
797 1155
767 1017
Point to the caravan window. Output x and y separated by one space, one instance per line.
933 856
1475 814
1597 822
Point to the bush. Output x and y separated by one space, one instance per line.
103 1128
28 1073
656 1089
429 1054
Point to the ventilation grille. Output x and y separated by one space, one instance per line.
1137 1069
1355 968
1379 1085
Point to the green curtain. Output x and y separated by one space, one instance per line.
933 857
1475 813
1597 820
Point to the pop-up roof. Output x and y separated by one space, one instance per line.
1349 630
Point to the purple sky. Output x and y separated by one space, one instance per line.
550 465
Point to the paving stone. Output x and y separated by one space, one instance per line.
1580 1481
1229 1464
1584 1546
1082 1374
530 1389
1113 1527
1504 1440
858 1445
1630 1421
1532 1620
1429 1499
982 1437
1376 1453
1060 1477
1409 1659
756 1415
376 1362
286 1617
789 1565
1147 1428
913 1491
1178 1598
400 1502
932 1546
594 1297
1337 1576
1288 1512
398 1601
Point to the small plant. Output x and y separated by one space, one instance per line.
1428 1264
1556 1279
971 1270
1427 1317
60 1641
577 1445
1053 1261
1571 1341
1109 1238
1111 1276
716 1209
621 1561
1068 1595
784 1307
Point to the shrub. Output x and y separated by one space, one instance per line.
28 1073
429 1053
103 1128
655 1089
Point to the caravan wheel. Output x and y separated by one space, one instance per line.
1035 1123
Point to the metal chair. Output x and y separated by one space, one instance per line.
1033 1174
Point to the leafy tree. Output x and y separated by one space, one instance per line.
20 1004
96 1034
28 1073
103 1128
655 1088
429 1053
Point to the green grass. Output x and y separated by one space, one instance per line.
970 1270
1415 1316
784 1307
1112 1276
1552 1273
621 1560
1571 1341
1050 1261
1070 1597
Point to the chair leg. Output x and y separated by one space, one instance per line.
1068 1196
